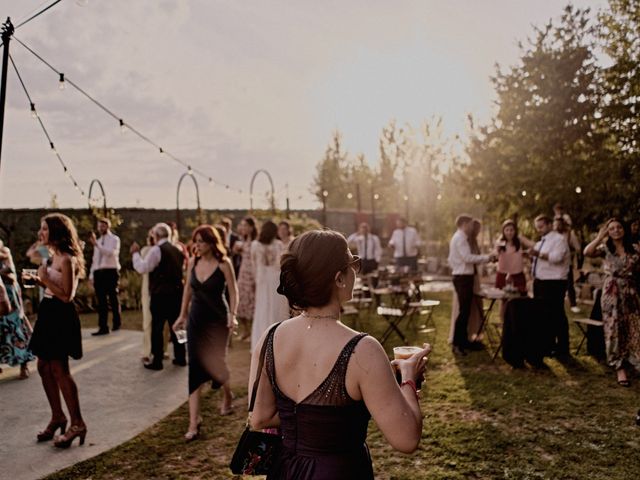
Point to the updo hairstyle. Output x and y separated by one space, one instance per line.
309 267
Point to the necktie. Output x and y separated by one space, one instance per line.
404 242
535 260
366 242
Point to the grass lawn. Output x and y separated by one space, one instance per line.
482 420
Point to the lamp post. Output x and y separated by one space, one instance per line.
195 182
406 207
374 197
325 194
7 32
104 195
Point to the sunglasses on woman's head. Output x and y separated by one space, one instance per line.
355 263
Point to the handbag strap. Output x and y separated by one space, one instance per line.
260 366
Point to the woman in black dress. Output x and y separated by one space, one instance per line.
322 381
56 335
209 320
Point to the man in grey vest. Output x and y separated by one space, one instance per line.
163 263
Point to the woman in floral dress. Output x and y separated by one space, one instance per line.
620 303
15 329
246 279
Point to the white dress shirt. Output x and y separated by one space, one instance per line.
556 266
105 253
151 259
405 242
461 260
368 248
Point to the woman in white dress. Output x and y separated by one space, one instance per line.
270 306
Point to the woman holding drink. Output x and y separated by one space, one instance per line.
209 320
56 335
323 381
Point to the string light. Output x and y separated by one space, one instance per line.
439 196
52 146
190 170
325 194
123 127
406 198
578 190
477 196
61 84
524 193
349 195
376 196
64 81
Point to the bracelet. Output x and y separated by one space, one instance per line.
413 386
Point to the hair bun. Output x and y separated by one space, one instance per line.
289 285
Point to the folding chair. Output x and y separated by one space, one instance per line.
583 324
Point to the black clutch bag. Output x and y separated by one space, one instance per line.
256 451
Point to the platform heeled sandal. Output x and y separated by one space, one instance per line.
65 441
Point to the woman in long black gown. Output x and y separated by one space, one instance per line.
322 381
209 320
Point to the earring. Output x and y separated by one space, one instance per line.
343 285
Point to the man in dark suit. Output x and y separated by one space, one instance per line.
164 264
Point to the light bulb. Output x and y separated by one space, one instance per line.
34 114
349 195
578 190
189 171
477 197
376 196
524 193
325 193
439 196
123 127
61 83
210 180
406 198
53 148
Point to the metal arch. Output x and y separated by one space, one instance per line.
273 204
104 195
195 182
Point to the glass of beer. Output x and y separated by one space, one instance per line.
29 276
403 353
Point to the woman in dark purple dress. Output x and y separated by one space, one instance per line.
322 381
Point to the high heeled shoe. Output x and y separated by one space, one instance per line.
49 432
190 436
64 441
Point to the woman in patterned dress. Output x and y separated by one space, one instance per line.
246 280
620 303
15 329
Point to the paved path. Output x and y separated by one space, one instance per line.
119 399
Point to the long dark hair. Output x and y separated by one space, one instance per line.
627 243
63 236
516 239
309 267
253 224
211 236
268 232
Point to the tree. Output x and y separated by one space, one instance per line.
332 174
620 37
545 144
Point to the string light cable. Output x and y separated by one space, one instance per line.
35 15
64 79
35 114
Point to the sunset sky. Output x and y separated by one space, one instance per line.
234 86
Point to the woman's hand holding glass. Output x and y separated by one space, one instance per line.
413 367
